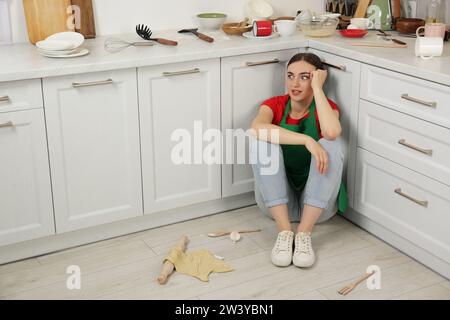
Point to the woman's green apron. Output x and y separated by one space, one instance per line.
297 159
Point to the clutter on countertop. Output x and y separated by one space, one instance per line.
62 45
46 17
145 33
200 263
194 31
211 21
113 45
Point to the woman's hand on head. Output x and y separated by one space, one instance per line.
318 78
319 154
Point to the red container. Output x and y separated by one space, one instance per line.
262 28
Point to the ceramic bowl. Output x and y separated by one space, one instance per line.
408 25
211 21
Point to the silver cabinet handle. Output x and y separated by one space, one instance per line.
342 68
260 63
7 124
3 99
406 144
91 84
425 103
423 203
178 73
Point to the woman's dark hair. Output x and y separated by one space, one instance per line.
310 58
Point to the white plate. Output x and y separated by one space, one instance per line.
58 52
54 45
75 38
249 35
80 53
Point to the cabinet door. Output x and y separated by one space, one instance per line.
93 136
342 86
26 210
178 97
247 81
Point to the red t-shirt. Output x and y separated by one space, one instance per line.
278 105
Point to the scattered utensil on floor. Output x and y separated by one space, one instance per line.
202 36
235 236
145 33
377 44
227 233
168 266
114 45
347 289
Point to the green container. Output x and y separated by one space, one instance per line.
380 12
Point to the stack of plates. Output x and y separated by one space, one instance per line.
62 45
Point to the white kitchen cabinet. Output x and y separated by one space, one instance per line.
178 97
93 137
20 95
342 86
404 202
420 98
247 81
26 209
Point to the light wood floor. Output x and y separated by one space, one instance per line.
126 267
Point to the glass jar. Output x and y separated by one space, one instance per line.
434 11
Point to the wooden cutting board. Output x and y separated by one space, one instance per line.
87 22
361 9
46 17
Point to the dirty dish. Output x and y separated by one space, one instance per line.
249 35
75 38
55 45
79 53
235 28
353 33
319 27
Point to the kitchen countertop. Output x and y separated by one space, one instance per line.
22 61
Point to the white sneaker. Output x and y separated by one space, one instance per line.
282 250
304 254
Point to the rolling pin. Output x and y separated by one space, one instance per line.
168 266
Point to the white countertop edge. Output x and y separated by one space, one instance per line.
192 50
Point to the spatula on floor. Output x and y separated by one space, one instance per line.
347 289
226 233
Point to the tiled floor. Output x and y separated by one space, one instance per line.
127 267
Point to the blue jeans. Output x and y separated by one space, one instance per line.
273 189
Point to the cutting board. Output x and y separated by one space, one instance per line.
46 17
361 9
86 24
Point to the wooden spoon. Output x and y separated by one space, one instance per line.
226 233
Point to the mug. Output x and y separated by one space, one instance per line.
262 28
433 30
285 28
429 47
362 23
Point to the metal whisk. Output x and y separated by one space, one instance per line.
115 44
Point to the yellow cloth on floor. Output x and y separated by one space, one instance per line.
199 263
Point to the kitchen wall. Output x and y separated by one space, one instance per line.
119 16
